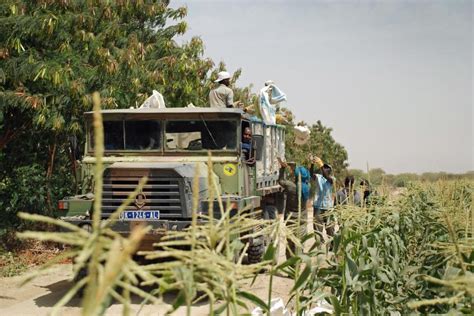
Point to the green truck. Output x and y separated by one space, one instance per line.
167 146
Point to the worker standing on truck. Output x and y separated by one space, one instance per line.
222 96
293 201
324 200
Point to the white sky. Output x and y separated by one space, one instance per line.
392 78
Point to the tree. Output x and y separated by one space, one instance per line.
358 174
376 176
55 53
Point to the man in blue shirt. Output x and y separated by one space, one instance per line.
323 201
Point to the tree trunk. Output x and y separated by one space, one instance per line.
74 168
49 172
52 154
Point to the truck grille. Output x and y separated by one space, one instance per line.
160 193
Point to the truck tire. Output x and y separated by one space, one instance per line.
80 275
82 291
255 250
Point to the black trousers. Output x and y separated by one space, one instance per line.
321 220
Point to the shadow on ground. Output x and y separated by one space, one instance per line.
59 289
56 292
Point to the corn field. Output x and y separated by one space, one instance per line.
410 254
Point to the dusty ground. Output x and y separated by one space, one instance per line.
38 297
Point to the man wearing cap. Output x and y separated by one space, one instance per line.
324 201
222 96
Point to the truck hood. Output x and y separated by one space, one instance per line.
187 170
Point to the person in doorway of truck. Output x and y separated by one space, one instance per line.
222 96
323 202
347 195
295 201
247 146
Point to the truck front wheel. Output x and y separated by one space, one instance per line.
81 275
255 250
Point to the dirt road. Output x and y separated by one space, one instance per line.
38 297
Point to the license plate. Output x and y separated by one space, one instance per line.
139 215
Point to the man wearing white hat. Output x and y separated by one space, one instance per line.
222 96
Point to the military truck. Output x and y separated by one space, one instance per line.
167 146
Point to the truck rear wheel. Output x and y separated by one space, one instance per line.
255 250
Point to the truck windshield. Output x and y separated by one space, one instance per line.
201 135
132 135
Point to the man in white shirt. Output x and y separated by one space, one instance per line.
222 96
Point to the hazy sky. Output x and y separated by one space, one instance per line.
392 78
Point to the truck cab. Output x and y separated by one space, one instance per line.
171 147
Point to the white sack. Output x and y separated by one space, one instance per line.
277 308
321 307
302 135
267 102
155 101
267 110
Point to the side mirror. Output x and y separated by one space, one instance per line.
257 145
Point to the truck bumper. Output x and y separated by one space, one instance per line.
159 228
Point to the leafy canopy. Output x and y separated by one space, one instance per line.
53 54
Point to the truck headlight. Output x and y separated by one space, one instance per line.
63 205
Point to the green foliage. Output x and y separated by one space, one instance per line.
25 184
378 176
55 53
10 264
386 254
17 193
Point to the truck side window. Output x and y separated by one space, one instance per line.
201 134
142 135
113 135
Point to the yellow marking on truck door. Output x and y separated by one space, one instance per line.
230 169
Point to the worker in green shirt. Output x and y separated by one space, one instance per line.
294 201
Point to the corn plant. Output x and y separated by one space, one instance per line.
393 257
105 254
207 261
